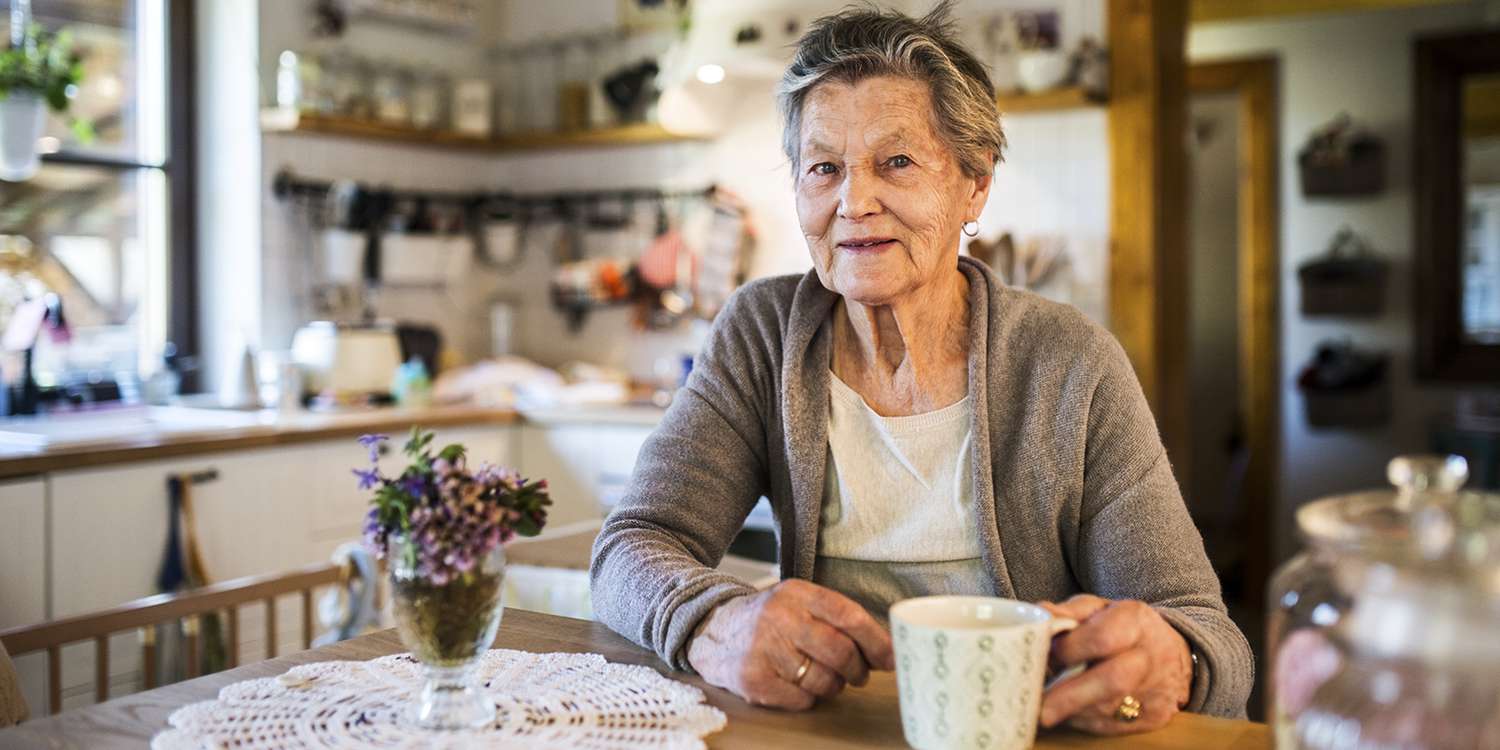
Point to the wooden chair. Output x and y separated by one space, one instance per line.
144 614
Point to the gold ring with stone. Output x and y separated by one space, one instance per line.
802 670
1129 710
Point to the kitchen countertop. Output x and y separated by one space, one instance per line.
627 415
265 428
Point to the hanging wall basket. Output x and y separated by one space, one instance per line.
1348 280
22 118
1342 159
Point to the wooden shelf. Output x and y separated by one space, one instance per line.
620 135
274 121
1069 97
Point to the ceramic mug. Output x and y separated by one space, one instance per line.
970 670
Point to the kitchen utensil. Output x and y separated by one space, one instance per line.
630 89
421 341
970 670
502 327
423 259
346 359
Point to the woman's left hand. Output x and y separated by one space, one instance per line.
1130 651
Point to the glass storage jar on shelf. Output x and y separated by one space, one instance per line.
393 95
573 87
539 92
429 99
1419 651
1311 593
508 87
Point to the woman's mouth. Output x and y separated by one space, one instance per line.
867 244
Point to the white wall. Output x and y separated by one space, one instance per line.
1055 179
1360 63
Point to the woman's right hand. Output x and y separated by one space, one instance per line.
753 645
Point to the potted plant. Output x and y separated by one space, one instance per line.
441 527
38 71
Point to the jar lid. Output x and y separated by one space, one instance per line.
1380 523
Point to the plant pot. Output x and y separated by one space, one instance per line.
448 626
22 118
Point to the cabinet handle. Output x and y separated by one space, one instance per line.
200 477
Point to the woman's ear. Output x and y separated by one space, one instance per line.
979 194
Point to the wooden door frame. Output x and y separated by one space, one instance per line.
1254 81
1148 237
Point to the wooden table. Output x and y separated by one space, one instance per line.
859 718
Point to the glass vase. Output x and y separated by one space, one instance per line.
448 627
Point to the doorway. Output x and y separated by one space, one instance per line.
1233 302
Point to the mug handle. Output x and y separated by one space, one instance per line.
1056 626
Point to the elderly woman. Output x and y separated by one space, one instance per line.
918 427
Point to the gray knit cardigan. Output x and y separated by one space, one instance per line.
1072 488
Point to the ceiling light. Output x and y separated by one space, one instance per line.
710 73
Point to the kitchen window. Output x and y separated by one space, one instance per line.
106 224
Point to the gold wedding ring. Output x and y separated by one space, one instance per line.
1129 710
802 670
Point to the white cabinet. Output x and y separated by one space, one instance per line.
23 573
586 465
23 533
109 533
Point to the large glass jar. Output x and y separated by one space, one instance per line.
448 625
1419 651
1311 593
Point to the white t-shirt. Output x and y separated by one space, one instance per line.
898 506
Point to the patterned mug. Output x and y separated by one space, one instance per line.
970 670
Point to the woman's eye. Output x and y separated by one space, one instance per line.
899 160
824 167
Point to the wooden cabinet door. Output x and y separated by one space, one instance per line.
23 560
23 575
586 466
108 538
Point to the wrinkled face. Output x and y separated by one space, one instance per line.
880 197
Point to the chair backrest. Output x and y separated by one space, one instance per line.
12 703
146 613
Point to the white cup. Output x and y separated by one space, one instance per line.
970 670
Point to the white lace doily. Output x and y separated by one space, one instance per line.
577 701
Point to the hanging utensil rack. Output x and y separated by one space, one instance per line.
528 205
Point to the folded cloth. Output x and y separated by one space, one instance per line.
12 703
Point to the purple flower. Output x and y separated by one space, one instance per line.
452 513
414 485
373 443
367 478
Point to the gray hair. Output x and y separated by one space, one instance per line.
863 42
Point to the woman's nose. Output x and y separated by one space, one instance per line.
857 195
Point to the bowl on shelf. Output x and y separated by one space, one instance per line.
1041 69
